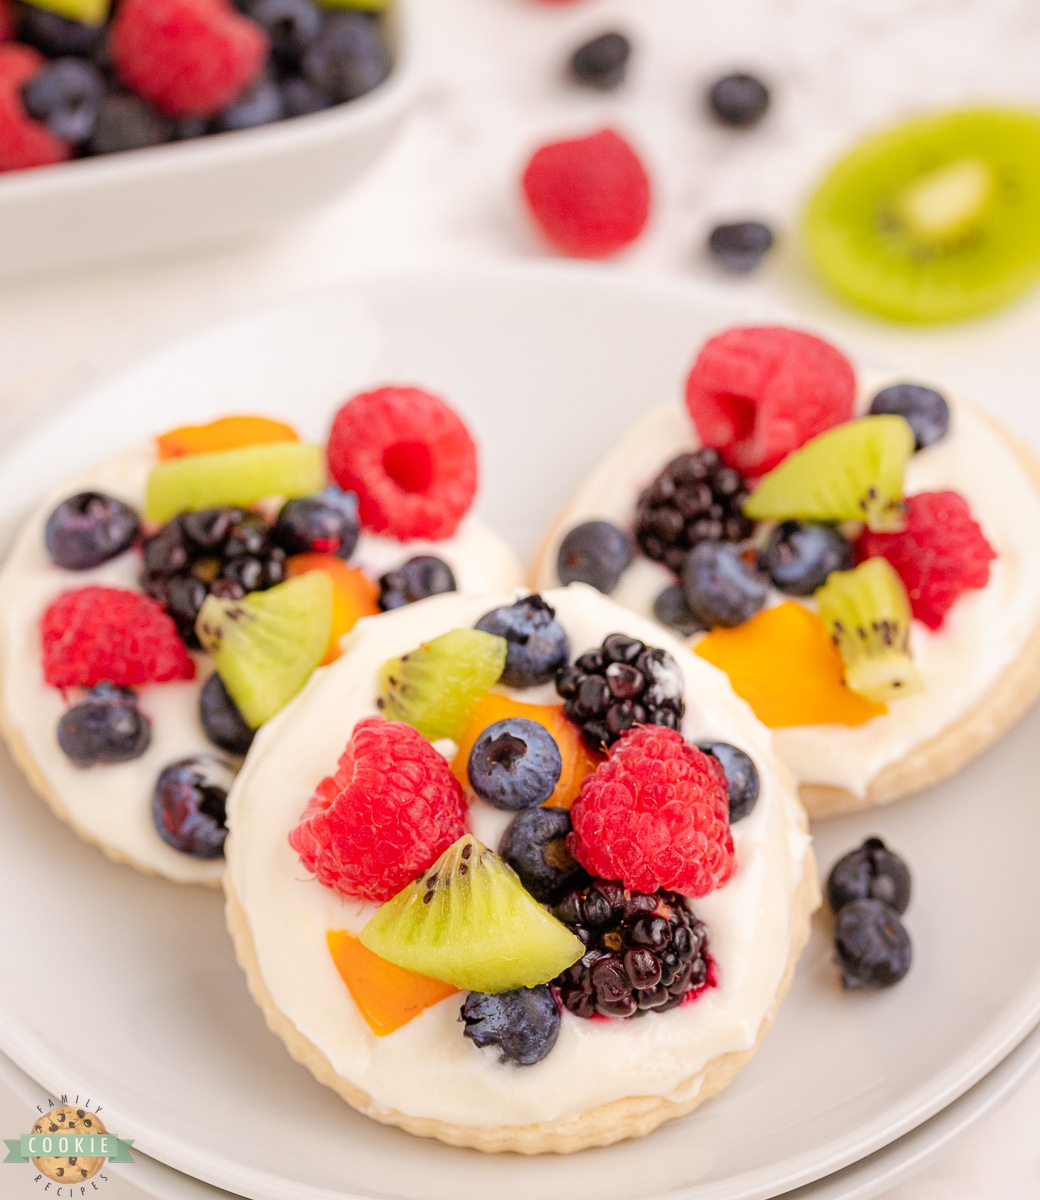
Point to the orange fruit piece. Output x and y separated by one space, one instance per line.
227 433
784 664
387 995
578 759
354 595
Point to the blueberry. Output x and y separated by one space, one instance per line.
738 100
189 805
257 105
348 58
925 409
741 778
538 645
125 122
523 1024
66 96
596 553
722 587
603 62
873 872
183 596
872 944
53 34
105 727
323 524
166 552
224 724
88 529
419 577
535 846
741 246
671 609
514 764
291 25
801 554
300 97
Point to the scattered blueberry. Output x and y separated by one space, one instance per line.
105 727
300 97
738 100
53 34
535 846
596 553
348 57
538 645
88 529
671 609
323 524
801 554
291 25
722 586
523 1024
514 764
741 778
926 410
419 577
66 96
125 122
223 723
258 105
741 246
873 872
603 62
189 805
873 946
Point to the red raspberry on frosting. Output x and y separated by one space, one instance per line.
107 635
390 810
655 815
23 141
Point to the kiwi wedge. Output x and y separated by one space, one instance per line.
868 615
87 12
935 220
266 645
469 921
435 687
853 472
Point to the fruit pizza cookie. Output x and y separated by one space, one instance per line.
163 605
858 553
481 915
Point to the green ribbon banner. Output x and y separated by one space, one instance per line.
64 1145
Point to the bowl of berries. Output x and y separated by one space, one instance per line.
161 123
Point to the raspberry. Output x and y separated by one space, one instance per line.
655 815
7 21
105 635
23 141
941 552
187 57
409 458
590 196
389 812
756 394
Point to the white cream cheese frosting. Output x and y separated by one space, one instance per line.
428 1068
111 803
983 633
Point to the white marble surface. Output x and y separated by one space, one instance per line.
447 192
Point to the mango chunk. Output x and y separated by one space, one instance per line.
354 595
227 433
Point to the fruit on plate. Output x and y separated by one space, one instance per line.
934 220
226 433
354 595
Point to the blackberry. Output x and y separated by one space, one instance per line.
645 952
621 684
694 499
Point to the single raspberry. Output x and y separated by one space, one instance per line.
389 812
106 635
187 57
410 459
7 21
23 141
655 815
590 196
941 553
757 393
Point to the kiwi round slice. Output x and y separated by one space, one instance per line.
469 921
934 220
868 615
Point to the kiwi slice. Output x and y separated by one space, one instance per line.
851 473
266 645
469 921
868 615
233 477
435 686
934 220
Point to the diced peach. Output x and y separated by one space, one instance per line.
387 995
354 595
784 664
227 433
578 759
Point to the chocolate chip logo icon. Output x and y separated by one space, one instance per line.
68 1122
68 1145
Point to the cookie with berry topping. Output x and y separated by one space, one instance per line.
456 955
750 512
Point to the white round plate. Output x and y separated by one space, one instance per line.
125 987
